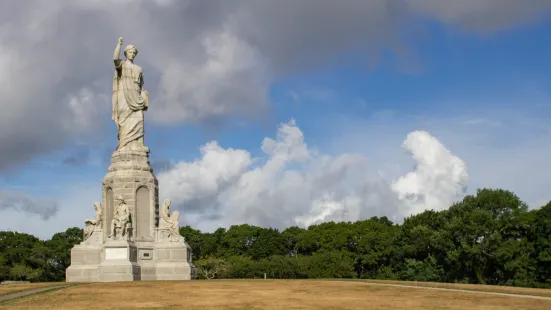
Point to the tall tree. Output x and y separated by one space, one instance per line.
540 237
195 240
60 246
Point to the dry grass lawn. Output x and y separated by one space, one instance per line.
6 289
265 294
472 287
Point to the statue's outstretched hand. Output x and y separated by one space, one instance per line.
120 40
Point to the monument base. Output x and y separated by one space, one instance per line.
120 262
153 249
85 260
175 271
84 264
173 258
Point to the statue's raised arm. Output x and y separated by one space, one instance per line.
117 53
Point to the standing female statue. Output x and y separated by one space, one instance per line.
130 100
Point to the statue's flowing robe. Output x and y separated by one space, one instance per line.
92 225
121 216
129 102
170 222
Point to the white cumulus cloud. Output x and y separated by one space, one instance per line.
293 184
438 177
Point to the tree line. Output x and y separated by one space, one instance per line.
488 238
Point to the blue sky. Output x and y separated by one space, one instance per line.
483 96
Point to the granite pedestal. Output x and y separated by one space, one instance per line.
146 252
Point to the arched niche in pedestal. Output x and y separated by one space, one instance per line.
143 212
109 210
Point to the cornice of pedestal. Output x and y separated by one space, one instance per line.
135 160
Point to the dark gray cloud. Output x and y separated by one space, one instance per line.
19 201
204 61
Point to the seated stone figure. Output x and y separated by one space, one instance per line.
120 224
92 225
170 222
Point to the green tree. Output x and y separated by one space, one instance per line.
252 241
372 243
477 226
242 267
422 241
59 258
269 242
426 270
211 268
334 264
22 272
291 239
17 247
195 240
212 244
540 238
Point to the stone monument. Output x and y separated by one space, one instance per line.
127 241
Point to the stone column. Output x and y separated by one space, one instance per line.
131 176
